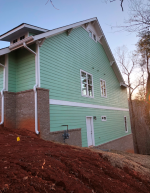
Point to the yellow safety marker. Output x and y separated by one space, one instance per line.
18 138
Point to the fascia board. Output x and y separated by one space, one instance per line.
36 28
4 51
62 29
9 33
109 53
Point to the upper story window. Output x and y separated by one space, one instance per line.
125 124
14 41
86 84
103 88
22 37
92 35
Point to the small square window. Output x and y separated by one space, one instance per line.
103 118
22 37
14 41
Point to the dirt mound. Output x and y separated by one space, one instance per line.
34 165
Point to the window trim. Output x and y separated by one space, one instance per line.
103 119
126 131
92 35
87 84
100 88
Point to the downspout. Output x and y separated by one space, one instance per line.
35 86
2 95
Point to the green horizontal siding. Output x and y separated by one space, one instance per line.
75 117
12 64
2 61
21 70
62 57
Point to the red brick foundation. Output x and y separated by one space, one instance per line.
19 113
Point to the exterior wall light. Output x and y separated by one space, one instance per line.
94 117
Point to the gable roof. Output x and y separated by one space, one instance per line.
50 33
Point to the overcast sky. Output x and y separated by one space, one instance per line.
35 12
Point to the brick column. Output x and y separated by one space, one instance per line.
25 110
43 112
10 109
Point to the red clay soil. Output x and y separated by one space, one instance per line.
34 165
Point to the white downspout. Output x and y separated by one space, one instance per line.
2 95
36 85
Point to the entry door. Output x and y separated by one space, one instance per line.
90 131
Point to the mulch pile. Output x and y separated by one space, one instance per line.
34 165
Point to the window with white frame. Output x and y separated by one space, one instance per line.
86 84
103 118
103 88
92 35
125 124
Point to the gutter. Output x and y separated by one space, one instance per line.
2 95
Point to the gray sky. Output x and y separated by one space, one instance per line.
35 12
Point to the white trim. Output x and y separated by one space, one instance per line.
62 29
4 51
6 72
75 104
103 119
25 46
93 138
87 84
22 26
126 124
105 88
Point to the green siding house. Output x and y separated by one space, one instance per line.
67 76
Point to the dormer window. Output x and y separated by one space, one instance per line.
92 35
14 41
22 37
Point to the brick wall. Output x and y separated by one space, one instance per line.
19 113
43 112
74 137
25 110
10 109
121 144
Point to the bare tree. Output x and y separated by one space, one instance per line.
129 64
139 16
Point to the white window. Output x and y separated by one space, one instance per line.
92 35
103 88
14 41
86 84
125 124
103 118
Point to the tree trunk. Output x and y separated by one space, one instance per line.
132 118
148 87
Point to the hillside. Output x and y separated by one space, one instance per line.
34 165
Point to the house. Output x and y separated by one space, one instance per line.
67 76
